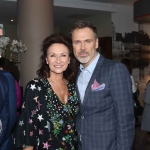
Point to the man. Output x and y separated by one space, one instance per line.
8 111
106 118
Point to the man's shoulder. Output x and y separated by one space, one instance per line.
2 77
110 63
6 74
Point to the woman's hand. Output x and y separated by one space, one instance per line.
28 148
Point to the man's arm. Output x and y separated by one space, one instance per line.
121 91
4 107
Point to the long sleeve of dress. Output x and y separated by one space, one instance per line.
26 131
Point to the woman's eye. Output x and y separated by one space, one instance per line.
64 55
52 55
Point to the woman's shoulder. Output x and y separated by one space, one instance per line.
35 83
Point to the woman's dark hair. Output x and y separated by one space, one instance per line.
84 24
71 71
128 64
7 66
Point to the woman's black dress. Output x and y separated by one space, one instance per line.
45 122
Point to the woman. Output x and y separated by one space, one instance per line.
50 104
6 65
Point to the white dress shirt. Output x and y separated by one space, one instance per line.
85 77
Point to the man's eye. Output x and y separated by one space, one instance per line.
88 41
76 42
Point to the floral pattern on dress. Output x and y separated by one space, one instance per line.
45 122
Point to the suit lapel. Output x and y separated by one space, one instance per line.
78 94
93 77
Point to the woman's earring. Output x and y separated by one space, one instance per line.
46 62
69 62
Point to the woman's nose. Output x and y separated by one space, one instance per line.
58 59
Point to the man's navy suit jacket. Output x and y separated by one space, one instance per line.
8 111
4 106
106 117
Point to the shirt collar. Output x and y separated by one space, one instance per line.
91 67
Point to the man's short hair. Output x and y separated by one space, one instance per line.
83 24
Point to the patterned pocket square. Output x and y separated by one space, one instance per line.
96 86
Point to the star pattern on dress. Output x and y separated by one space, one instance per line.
32 87
35 98
30 121
39 105
24 132
45 97
39 88
40 117
35 127
31 133
46 145
48 126
40 132
53 116
33 113
38 141
21 123
23 105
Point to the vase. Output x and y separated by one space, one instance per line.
14 56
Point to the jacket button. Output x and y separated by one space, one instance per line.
82 117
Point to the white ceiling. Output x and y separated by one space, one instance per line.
65 11
119 2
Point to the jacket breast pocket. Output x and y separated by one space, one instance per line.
99 100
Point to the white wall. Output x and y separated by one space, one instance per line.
102 23
146 28
124 22
123 19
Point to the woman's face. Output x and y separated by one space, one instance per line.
58 58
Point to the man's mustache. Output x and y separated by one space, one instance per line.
83 52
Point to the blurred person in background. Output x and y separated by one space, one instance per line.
6 65
7 109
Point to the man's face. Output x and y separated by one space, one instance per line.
84 45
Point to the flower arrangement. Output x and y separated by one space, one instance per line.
17 47
4 41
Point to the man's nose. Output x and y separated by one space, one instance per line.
82 45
